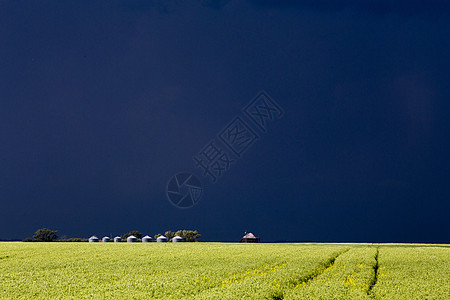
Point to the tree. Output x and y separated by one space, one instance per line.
189 235
45 235
169 235
136 233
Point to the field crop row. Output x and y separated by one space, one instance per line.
423 272
223 271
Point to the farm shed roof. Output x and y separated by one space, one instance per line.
249 236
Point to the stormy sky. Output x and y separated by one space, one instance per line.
102 102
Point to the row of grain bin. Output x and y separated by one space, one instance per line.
133 239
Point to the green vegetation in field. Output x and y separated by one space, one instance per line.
420 271
349 277
223 271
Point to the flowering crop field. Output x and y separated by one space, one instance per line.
223 271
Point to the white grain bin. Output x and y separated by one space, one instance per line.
161 239
131 239
146 239
93 239
117 239
105 239
177 239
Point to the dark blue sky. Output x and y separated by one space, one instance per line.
102 102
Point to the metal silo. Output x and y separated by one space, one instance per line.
93 239
146 239
177 239
131 239
161 239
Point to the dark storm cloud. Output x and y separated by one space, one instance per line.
216 4
374 6
169 6
102 102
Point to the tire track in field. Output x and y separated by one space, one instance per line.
303 280
293 282
376 268
238 277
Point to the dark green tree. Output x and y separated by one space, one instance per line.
45 235
136 233
169 235
189 235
